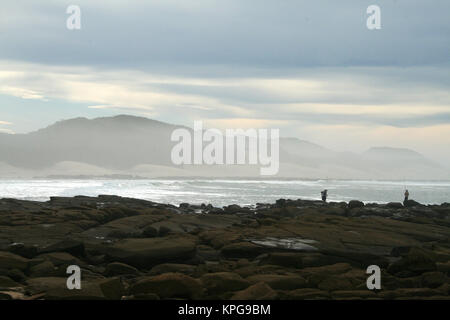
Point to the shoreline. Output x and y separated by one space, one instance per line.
288 250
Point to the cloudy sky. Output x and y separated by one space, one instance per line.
310 68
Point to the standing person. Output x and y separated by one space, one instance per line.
406 195
324 195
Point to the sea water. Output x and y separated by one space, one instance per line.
225 192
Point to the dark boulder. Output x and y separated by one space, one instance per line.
411 203
355 204
74 247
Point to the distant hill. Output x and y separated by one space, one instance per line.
137 146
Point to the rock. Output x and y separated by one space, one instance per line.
45 284
416 262
173 267
16 275
335 283
231 209
10 260
70 246
433 279
242 250
355 204
394 205
400 251
56 289
148 252
5 296
164 231
359 259
144 296
6 282
411 203
111 288
279 282
60 258
408 293
169 285
206 253
444 267
221 282
353 294
259 291
23 250
117 268
44 269
150 232
307 294
285 259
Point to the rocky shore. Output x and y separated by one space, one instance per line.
293 249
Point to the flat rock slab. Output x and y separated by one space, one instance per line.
148 252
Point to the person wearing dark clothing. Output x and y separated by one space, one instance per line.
324 195
406 196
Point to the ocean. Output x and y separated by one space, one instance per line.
225 192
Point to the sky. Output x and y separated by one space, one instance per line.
310 68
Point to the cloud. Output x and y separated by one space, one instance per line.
5 130
21 93
254 33
345 95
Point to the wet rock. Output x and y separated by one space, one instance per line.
286 243
259 291
169 285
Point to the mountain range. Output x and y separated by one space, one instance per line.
141 147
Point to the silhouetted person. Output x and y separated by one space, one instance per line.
406 196
324 195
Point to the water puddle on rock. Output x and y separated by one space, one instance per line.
286 243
